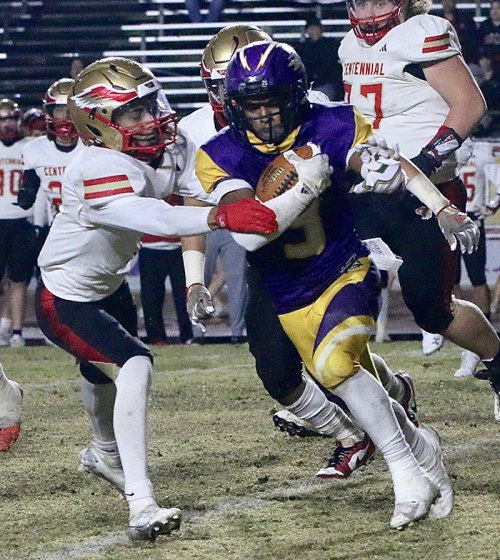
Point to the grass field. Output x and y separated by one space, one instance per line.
248 492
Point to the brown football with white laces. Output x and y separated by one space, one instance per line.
280 175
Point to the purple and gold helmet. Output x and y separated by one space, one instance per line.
264 70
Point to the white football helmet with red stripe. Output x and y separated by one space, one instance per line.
108 88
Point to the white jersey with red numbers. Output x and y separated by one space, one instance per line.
481 173
108 203
49 163
405 109
11 178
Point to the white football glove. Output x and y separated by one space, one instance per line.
381 169
199 305
314 173
457 227
381 255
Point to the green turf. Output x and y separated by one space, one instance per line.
248 492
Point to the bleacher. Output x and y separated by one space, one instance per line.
38 38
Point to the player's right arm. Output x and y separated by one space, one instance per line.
111 196
198 299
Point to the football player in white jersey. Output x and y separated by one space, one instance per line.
403 69
46 158
111 196
17 235
475 160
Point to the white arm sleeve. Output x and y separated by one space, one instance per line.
287 208
148 215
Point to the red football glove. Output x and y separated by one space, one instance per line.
247 215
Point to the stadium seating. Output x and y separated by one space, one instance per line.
40 37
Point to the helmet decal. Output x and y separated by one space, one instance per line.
100 95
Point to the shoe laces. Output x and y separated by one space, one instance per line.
340 454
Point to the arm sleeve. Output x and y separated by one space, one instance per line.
287 208
148 215
29 188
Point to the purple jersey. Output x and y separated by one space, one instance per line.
299 265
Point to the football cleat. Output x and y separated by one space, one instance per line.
4 338
11 400
468 364
17 341
431 343
105 465
287 422
152 522
409 400
408 512
437 473
345 460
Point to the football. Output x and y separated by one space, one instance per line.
279 175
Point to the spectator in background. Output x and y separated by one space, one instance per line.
215 9
161 258
466 29
76 66
490 86
319 55
489 33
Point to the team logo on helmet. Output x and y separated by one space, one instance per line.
100 95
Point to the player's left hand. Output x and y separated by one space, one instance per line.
381 169
459 229
199 305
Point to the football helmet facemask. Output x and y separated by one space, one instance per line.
372 19
114 91
57 96
216 56
274 74
10 121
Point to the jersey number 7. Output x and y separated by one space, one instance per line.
365 90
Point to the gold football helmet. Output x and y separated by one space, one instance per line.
10 120
57 96
118 104
216 56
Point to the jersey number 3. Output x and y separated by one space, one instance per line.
366 90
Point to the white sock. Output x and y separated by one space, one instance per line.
371 408
325 416
99 402
5 325
389 381
417 443
130 422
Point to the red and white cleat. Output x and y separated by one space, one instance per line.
345 460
